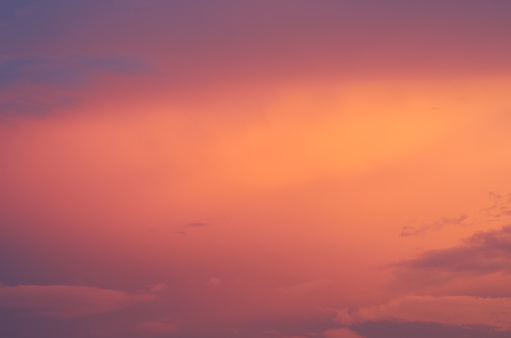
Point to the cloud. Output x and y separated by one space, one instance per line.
157 327
388 329
500 208
435 226
61 72
38 86
214 281
197 224
278 334
465 287
449 310
12 11
482 253
158 287
63 301
341 333
306 288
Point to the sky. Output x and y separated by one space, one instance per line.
259 169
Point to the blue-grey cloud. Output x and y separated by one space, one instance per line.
38 86
210 41
61 72
64 301
11 9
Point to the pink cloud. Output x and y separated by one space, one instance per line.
158 288
63 301
341 333
157 327
449 310
278 334
307 288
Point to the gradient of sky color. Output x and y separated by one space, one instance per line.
259 169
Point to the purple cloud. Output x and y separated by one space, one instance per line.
482 253
64 301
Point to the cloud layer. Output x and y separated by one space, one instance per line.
63 301
249 165
41 85
449 310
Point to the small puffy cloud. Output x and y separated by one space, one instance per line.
63 301
449 310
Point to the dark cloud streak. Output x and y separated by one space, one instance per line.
482 253
197 224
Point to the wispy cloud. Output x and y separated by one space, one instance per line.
307 288
435 226
64 301
197 224
38 86
500 208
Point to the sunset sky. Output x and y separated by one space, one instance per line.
255 168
